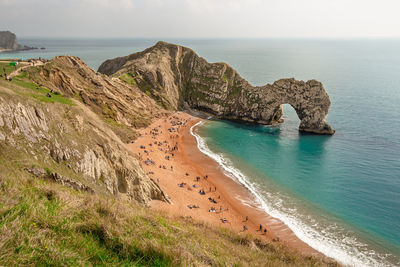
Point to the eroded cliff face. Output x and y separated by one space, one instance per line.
75 144
124 105
178 78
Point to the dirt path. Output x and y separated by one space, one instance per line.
26 65
29 64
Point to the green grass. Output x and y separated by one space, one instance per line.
235 91
44 223
9 68
128 78
40 93
108 112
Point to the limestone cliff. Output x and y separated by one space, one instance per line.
123 105
176 77
76 141
8 42
72 142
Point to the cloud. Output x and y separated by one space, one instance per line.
202 18
5 3
109 4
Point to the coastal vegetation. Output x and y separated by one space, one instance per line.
45 223
128 78
71 193
39 92
5 66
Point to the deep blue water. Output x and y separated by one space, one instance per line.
345 187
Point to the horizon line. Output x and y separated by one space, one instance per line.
217 38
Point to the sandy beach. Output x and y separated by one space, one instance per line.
169 154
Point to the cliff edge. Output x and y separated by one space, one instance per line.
177 78
64 122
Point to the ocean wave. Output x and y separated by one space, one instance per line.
331 240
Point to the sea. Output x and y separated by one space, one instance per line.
340 194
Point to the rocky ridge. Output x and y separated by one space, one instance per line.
76 146
177 78
124 106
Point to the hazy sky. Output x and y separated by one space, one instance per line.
202 18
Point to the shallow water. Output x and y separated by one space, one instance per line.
340 193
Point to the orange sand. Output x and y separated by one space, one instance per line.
188 159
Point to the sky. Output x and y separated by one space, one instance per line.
202 18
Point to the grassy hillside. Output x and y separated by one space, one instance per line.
44 223
5 67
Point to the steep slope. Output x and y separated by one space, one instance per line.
67 141
124 106
178 78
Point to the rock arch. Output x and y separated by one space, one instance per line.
309 100
179 79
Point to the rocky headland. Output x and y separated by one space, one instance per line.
81 136
99 112
82 153
178 79
8 43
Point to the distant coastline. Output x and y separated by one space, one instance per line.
25 48
18 50
9 43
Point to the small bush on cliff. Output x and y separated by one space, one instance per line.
128 78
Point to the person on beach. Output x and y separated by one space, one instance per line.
260 227
244 228
247 218
265 231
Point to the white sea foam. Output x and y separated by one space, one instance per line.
330 240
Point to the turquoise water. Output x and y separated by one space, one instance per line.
353 177
340 194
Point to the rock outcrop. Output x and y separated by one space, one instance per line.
177 78
74 141
58 178
124 105
8 42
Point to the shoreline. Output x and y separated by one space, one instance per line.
182 167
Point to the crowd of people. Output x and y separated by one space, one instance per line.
171 146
